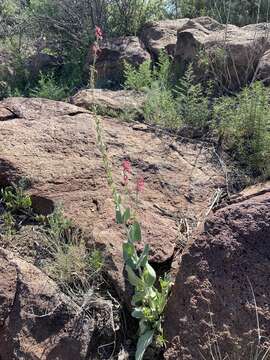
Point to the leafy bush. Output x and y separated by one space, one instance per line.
243 124
48 88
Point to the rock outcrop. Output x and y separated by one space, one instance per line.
112 56
37 321
221 287
234 55
110 102
233 52
161 35
53 144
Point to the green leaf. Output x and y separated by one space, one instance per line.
119 217
144 326
138 313
144 257
144 341
130 255
132 277
127 215
135 232
137 298
149 275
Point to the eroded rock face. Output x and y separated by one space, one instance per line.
37 321
110 102
113 53
212 305
161 35
54 145
234 51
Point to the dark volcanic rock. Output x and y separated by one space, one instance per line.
212 305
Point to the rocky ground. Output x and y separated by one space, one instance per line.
215 244
223 269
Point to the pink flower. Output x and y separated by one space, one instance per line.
140 184
126 166
99 33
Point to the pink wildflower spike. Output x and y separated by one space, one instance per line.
126 166
99 33
140 184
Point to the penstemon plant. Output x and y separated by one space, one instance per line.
149 300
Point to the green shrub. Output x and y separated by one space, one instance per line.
243 124
142 78
163 70
160 108
193 104
138 79
48 88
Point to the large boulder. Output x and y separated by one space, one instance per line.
220 301
233 53
37 321
112 56
110 102
161 35
54 145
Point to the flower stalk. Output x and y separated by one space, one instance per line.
149 300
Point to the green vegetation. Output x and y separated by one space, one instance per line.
73 265
57 225
16 207
149 299
138 79
160 108
193 103
48 88
238 12
171 106
240 122
243 123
